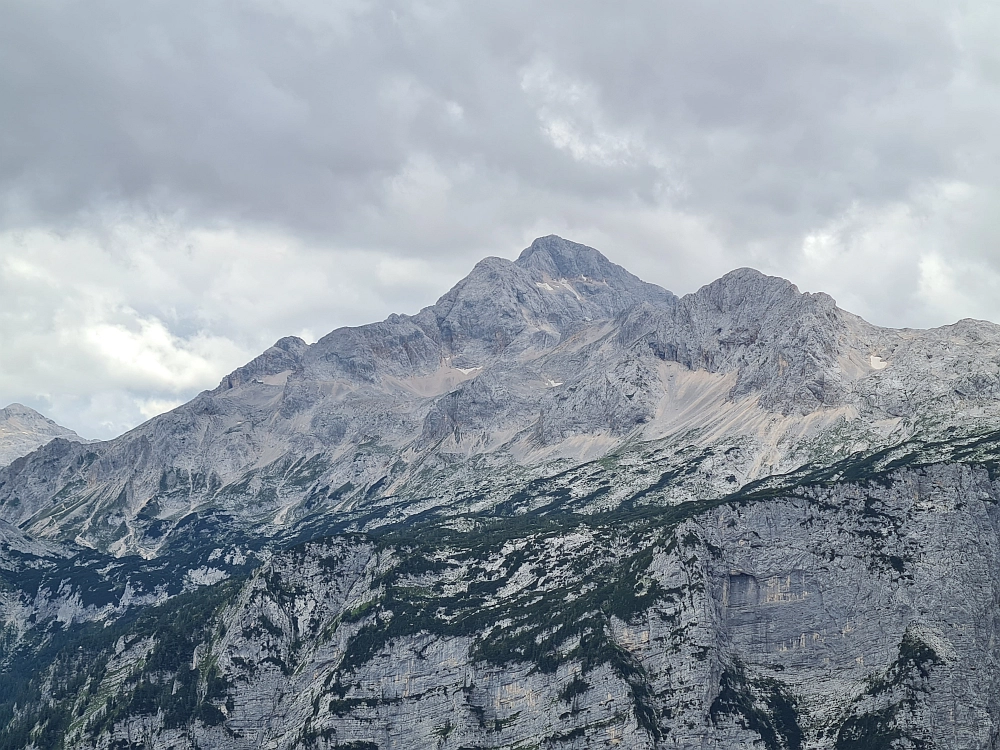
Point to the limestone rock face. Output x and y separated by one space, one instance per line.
559 508
852 615
23 430
524 369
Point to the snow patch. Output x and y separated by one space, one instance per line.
564 283
878 363
467 370
281 515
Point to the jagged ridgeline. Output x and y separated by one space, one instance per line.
561 507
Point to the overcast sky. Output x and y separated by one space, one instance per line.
184 182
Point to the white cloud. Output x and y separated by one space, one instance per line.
105 326
918 263
147 355
571 117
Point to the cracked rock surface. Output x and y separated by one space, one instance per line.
559 508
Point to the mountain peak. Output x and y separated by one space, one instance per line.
559 354
562 259
748 286
749 283
751 278
271 367
18 410
554 258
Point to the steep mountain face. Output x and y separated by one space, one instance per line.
559 508
522 370
843 614
23 429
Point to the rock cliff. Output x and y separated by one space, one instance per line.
559 508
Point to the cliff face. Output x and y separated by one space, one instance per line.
559 508
860 614
822 619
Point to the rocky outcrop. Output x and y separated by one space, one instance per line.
271 368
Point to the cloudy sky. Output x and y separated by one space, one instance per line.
183 182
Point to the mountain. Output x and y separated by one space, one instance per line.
523 370
22 430
561 507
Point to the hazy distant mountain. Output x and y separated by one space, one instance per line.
22 430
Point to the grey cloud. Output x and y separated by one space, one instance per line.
846 145
771 115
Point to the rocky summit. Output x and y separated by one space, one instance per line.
559 508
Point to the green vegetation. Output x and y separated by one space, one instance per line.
577 686
529 623
870 731
57 679
761 705
895 693
880 467
445 729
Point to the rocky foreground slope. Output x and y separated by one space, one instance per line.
822 614
559 508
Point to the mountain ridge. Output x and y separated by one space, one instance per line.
524 370
560 508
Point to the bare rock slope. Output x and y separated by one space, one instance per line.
523 370
560 508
